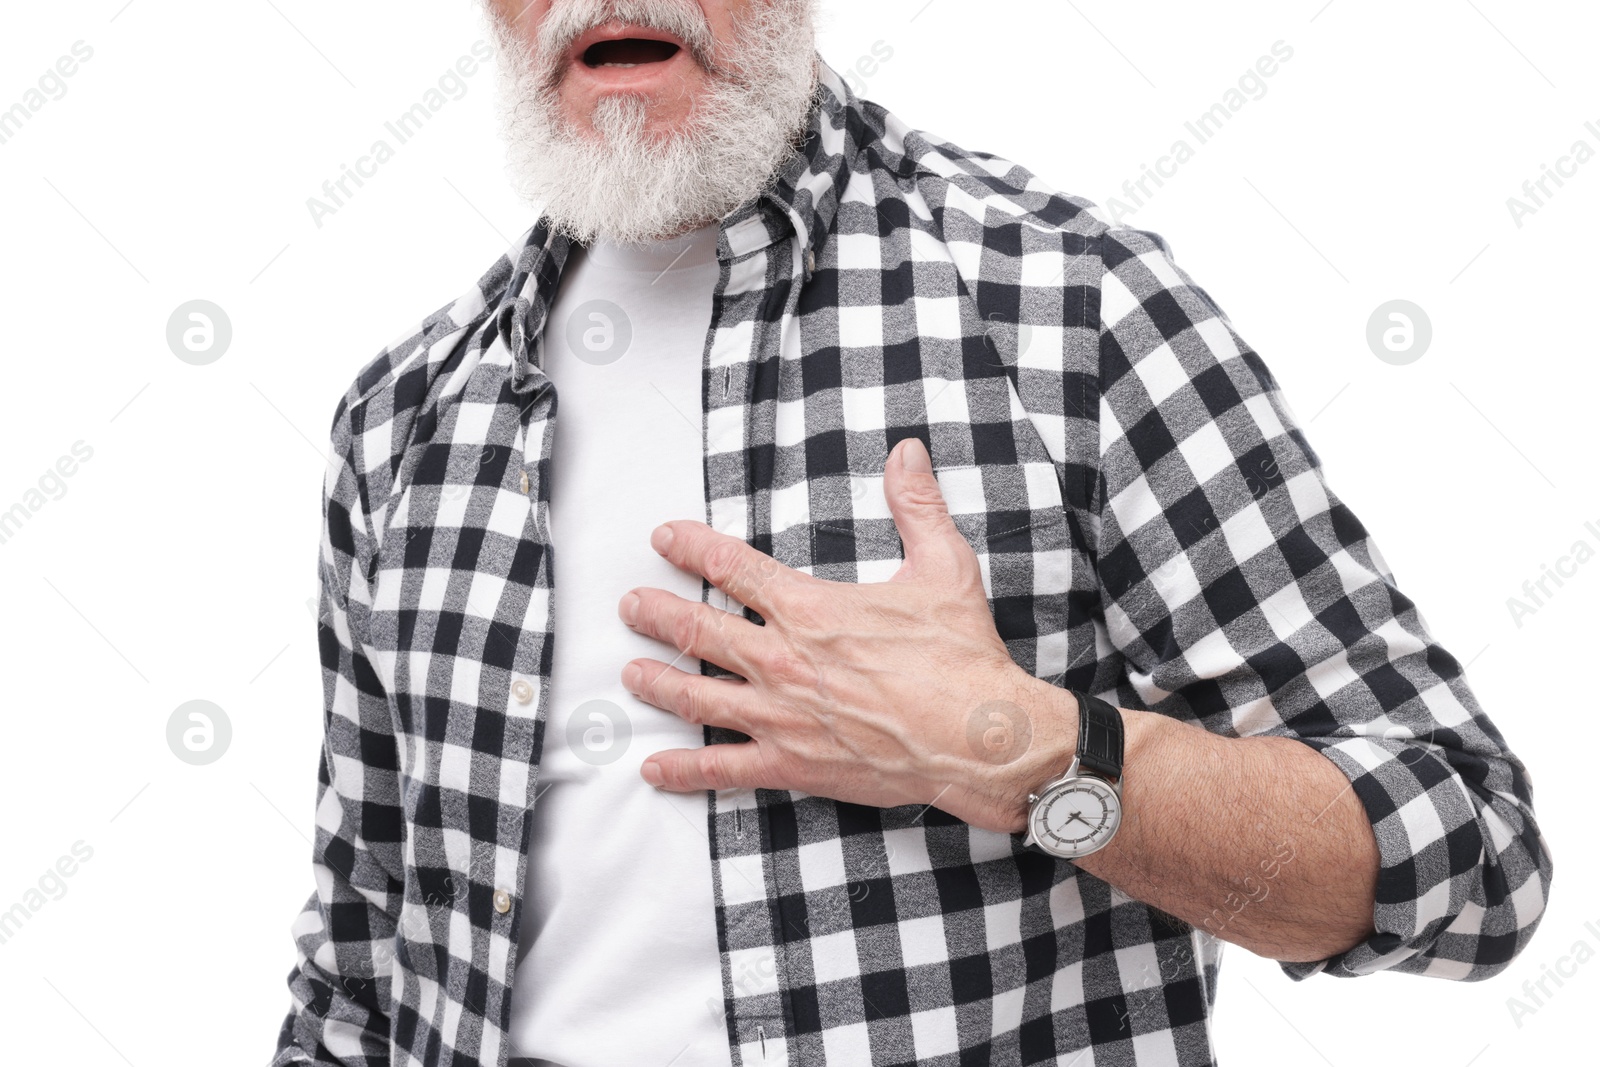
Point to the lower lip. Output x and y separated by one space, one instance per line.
635 77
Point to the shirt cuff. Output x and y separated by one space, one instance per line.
1429 843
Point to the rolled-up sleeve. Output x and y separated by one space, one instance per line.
1245 595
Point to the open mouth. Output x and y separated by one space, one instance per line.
628 52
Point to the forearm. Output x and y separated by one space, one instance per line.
1258 840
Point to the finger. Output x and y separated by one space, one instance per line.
749 576
694 698
696 629
932 542
682 770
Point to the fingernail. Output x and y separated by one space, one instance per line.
629 608
661 539
630 678
652 774
914 457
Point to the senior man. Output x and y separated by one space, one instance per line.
1023 657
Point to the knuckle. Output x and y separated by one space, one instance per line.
714 768
763 572
694 704
721 559
789 668
924 494
687 631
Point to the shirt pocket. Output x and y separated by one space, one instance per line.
838 527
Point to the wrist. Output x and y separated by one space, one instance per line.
1051 715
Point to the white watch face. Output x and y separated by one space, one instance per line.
1077 817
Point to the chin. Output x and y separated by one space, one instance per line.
663 120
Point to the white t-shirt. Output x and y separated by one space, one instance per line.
618 959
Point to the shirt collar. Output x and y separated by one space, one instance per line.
805 196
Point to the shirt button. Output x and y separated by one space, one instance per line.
523 481
502 901
522 691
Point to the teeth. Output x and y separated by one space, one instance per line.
619 64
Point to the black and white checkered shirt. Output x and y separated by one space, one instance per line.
1153 527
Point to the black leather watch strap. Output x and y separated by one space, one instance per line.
1099 736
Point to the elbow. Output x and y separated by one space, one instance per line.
1495 924
1517 891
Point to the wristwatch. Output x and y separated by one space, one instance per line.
1079 812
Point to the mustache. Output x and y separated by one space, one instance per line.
566 22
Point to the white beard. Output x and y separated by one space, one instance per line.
624 185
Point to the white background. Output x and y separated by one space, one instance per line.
180 560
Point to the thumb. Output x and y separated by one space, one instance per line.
920 514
